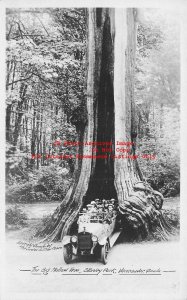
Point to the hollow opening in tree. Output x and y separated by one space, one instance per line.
101 183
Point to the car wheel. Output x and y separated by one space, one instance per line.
104 253
67 251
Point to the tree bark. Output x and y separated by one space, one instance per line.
23 90
110 118
8 119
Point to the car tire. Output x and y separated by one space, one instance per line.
67 251
104 253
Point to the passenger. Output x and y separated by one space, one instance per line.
92 212
113 201
97 201
110 211
93 203
100 207
105 211
106 206
103 202
89 208
100 212
107 218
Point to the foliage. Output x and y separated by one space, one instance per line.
157 94
15 218
149 37
46 99
45 88
163 172
46 184
45 79
54 180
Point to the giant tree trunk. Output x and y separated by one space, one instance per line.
110 117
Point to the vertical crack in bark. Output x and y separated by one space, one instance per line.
102 179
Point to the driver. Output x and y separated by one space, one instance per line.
93 203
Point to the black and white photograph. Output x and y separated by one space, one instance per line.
92 115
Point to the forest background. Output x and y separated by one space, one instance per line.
46 99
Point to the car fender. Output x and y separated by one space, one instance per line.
66 240
102 241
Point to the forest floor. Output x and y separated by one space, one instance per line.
148 258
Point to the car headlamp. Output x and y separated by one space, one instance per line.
94 238
74 239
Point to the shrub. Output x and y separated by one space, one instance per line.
46 184
54 179
56 197
163 173
15 218
17 192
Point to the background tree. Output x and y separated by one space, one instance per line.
45 91
157 95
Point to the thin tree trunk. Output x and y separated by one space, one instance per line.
8 118
33 136
23 91
27 138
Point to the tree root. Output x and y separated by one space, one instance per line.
143 208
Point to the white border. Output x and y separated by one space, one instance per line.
169 4
2 145
95 3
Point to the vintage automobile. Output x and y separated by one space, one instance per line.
94 237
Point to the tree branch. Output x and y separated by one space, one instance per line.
23 79
41 23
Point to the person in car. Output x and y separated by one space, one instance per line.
97 201
93 203
110 210
107 218
100 212
92 212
